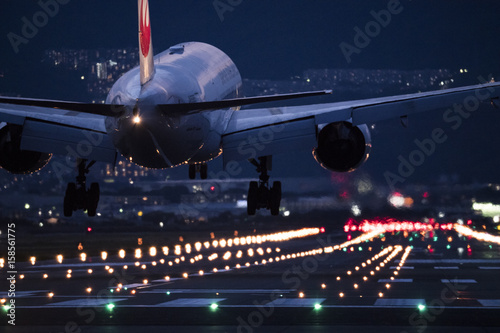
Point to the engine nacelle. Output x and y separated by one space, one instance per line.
342 147
15 160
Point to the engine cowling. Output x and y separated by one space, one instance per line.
15 160
342 147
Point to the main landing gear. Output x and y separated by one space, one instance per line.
78 196
201 168
260 195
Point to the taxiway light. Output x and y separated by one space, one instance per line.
45 276
301 294
341 294
50 295
104 255
59 258
323 286
89 270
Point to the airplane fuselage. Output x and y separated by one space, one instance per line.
185 73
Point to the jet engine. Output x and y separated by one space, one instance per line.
15 160
342 147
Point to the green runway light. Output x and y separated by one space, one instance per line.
168 292
317 306
110 306
360 248
6 307
214 306
448 246
421 307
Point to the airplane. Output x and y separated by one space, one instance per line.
183 106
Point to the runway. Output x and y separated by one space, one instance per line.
301 280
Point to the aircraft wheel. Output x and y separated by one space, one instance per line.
192 171
252 198
69 199
275 198
204 171
93 199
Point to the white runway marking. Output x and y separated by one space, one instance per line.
190 302
489 267
399 302
86 302
403 267
458 281
489 302
445 267
295 302
23 293
220 291
395 280
452 261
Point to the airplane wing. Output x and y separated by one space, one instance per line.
60 131
261 132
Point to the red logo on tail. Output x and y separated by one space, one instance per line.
145 28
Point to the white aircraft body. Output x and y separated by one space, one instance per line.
182 107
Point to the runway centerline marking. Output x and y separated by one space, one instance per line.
399 302
190 302
458 281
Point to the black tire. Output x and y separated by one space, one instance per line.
275 198
252 197
192 171
204 171
93 199
69 199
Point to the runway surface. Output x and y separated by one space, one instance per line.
301 281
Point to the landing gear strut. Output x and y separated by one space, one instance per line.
260 195
202 168
78 196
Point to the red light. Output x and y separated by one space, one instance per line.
349 237
212 188
469 222
346 228
426 194
353 228
322 229
89 229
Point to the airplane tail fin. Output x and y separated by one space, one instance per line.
145 43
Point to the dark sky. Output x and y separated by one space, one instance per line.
278 37
281 38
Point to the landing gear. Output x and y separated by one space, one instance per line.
259 193
78 197
202 168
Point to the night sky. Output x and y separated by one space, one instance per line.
280 38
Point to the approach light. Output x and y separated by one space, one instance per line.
137 120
